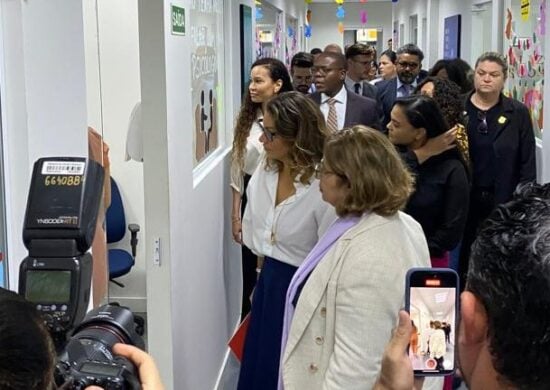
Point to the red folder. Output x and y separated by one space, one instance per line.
236 343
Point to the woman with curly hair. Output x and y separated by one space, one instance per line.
282 222
446 94
268 77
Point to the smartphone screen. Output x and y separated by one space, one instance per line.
431 300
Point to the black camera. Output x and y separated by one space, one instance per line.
60 220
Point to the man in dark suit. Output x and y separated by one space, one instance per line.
340 107
359 59
408 66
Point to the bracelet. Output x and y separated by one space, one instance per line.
235 219
258 270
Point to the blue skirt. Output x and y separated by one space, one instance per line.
262 347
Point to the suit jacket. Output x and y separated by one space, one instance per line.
368 90
349 305
514 148
387 94
360 110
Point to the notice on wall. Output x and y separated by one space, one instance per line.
206 32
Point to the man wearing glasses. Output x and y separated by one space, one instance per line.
341 108
502 146
359 59
409 74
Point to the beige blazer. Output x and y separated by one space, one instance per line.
349 305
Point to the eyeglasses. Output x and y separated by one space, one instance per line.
323 69
410 65
321 170
482 127
366 64
268 134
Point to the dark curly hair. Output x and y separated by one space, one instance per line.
509 273
448 98
247 114
457 72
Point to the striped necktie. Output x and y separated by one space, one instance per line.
332 118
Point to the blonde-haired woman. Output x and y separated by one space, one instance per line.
342 302
268 77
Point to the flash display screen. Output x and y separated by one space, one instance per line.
48 286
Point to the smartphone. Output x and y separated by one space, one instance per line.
432 302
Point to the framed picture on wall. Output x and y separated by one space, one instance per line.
247 45
451 37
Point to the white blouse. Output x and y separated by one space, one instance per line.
252 156
286 232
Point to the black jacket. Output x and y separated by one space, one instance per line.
514 148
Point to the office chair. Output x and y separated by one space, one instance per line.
120 261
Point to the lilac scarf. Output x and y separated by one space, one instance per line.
334 232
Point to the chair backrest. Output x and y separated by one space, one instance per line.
115 219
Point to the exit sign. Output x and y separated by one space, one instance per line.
178 20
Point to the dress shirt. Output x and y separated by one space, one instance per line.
288 231
400 88
341 100
350 85
252 156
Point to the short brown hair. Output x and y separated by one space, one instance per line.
495 57
378 179
358 49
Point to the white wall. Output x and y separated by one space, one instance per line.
43 99
324 25
113 82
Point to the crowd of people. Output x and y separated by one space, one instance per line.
360 175
344 178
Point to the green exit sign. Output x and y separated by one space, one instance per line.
178 20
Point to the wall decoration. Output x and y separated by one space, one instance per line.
451 37
363 15
291 39
340 12
247 46
206 34
524 53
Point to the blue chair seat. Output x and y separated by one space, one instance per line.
120 262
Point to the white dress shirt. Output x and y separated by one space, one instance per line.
341 102
286 232
252 156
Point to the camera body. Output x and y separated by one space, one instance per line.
60 221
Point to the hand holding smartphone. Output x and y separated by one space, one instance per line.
432 302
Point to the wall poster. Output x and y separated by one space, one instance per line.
524 49
451 37
207 57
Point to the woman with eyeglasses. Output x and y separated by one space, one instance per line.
440 199
282 222
268 77
342 301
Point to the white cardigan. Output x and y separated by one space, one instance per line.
349 305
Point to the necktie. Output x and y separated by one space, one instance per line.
357 87
332 118
406 88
